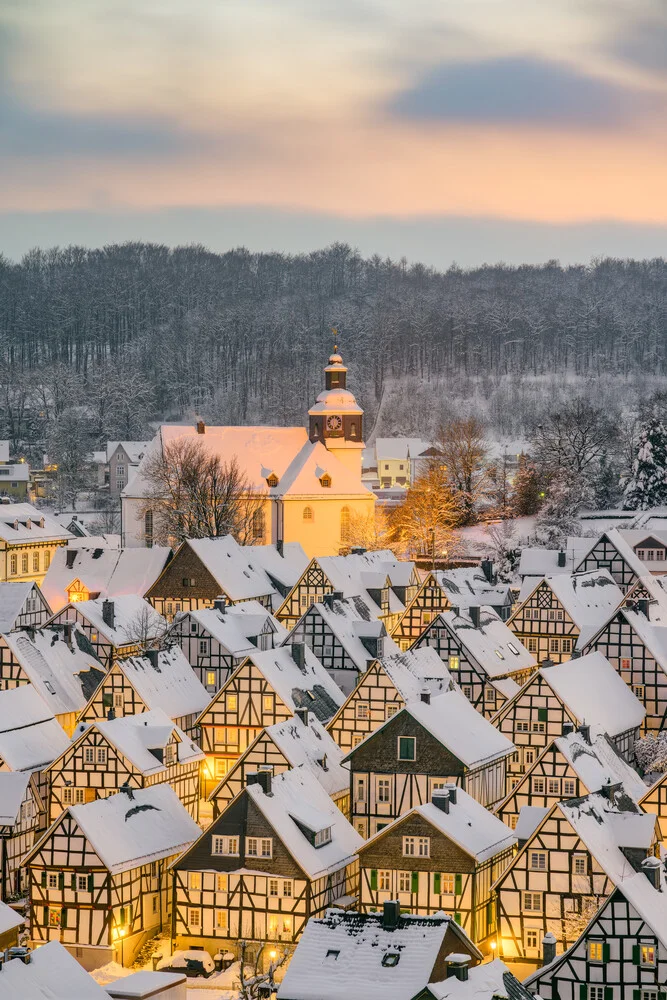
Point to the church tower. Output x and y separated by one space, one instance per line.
336 419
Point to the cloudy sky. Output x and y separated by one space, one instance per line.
467 130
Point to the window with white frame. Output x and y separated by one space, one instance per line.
89 755
273 887
323 837
553 785
647 954
287 889
259 847
384 881
531 644
228 846
579 864
391 711
361 710
383 790
53 881
532 902
538 860
531 939
82 883
596 992
416 847
407 748
538 785
569 787
404 881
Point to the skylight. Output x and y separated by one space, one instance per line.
499 654
513 648
331 955
390 959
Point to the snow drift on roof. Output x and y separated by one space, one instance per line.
172 685
30 737
594 692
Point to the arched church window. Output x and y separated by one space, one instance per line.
308 514
345 524
258 526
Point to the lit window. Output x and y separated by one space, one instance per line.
221 883
531 939
308 514
54 917
454 662
210 678
231 702
499 654
407 748
647 954
595 951
384 881
194 919
221 920
194 880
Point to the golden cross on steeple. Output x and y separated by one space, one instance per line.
335 337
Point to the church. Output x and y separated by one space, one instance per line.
310 478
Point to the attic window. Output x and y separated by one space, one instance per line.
325 480
323 837
512 648
272 480
390 959
49 687
331 955
499 654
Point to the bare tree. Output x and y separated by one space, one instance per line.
147 629
574 438
425 520
250 987
194 494
464 450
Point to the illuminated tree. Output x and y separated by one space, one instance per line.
425 520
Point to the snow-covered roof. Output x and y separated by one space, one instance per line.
452 720
594 692
285 568
133 618
589 599
468 824
136 736
528 821
652 631
129 830
12 598
493 646
297 801
60 663
544 562
232 566
416 670
623 548
234 626
340 956
51 974
312 748
467 587
349 621
30 736
134 450
505 686
18 471
21 523
303 476
400 448
104 571
9 919
310 687
597 763
13 785
172 685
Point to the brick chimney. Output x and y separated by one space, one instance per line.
391 912
548 948
261 778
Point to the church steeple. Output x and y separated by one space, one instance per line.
336 418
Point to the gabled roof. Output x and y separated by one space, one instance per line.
132 616
234 626
348 620
64 671
594 692
172 685
400 448
485 982
308 747
135 736
340 956
51 974
30 736
622 546
12 598
235 571
21 523
588 598
285 568
135 450
310 688
451 719
417 670
130 830
540 562
467 824
597 763
13 785
493 646
104 571
467 587
528 821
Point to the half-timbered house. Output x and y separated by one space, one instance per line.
612 552
22 605
453 588
425 745
580 761
482 654
486 982
568 867
30 736
536 563
117 627
281 852
302 742
654 800
584 690
634 641
376 956
21 814
621 953
88 571
344 637
160 679
265 689
99 880
136 751
561 613
216 640
443 855
206 568
384 689
58 661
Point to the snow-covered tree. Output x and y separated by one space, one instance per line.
647 486
558 517
527 494
606 483
651 753
464 450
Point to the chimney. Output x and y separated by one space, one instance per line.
547 662
440 799
327 601
568 728
70 557
220 603
108 613
455 610
299 655
391 912
562 559
303 714
486 566
473 611
548 948
280 547
153 656
337 595
67 633
457 967
201 427
651 868
261 778
322 761
357 550
575 654
585 731
610 790
425 696
452 789
111 715
643 606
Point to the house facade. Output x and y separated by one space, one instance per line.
22 817
28 542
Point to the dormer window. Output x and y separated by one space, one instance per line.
272 480
323 837
325 480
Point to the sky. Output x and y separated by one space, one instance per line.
443 130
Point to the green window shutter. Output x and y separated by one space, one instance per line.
605 952
437 883
43 880
583 991
609 993
542 715
414 887
107 699
458 884
457 918
374 879
61 880
122 915
636 994
72 881
63 921
46 916
91 882
635 954
662 996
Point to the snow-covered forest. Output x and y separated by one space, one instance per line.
136 332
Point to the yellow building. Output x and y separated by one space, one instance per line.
28 541
310 479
